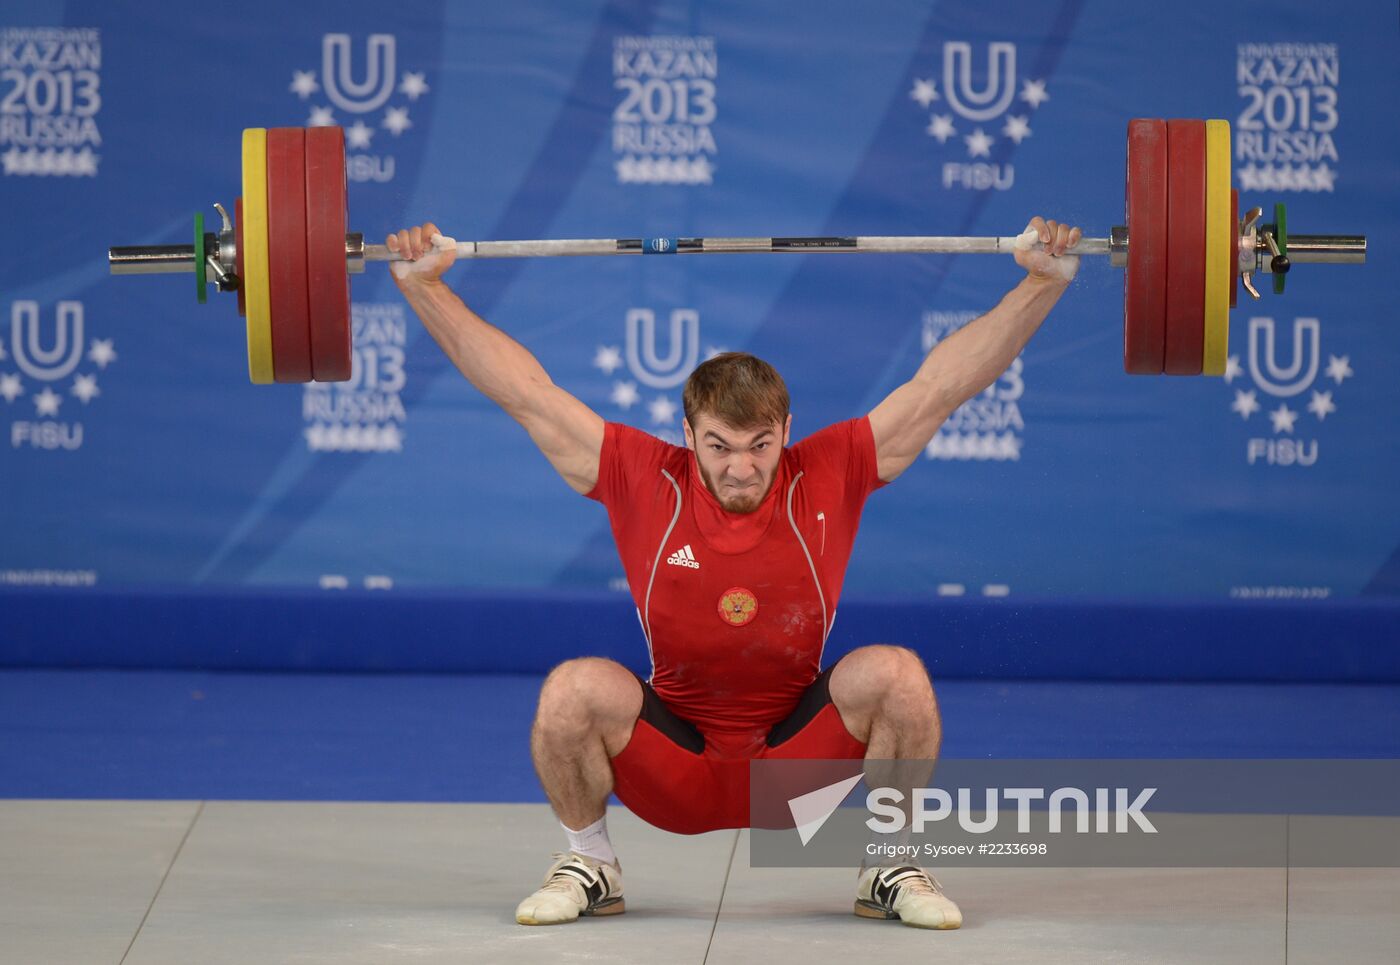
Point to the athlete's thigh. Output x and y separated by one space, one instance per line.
665 777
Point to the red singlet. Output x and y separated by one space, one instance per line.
736 608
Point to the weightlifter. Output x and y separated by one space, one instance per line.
735 548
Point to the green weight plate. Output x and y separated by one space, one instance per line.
1280 236
201 277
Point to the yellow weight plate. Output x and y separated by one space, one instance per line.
253 246
1219 229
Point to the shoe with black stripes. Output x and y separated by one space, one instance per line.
908 893
574 886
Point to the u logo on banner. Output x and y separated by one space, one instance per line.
34 360
957 79
336 73
1263 362
684 351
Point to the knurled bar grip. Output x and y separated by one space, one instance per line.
874 244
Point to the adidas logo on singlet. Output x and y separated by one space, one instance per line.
684 557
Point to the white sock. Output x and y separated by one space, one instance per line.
592 841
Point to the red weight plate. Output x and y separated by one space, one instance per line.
328 280
286 254
1186 247
238 261
1144 283
1234 245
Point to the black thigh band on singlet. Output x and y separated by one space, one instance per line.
678 730
813 700
687 736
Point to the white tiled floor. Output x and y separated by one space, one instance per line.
248 882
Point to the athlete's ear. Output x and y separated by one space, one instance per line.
787 430
689 434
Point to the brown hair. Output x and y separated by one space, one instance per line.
738 389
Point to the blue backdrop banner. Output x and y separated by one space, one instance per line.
135 456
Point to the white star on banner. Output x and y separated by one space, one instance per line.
702 171
85 388
358 135
925 92
1033 92
1017 128
85 163
47 402
1322 405
413 86
1324 178
1249 177
1232 369
608 358
625 394
663 411
101 353
11 387
304 83
321 117
941 127
1246 403
1009 446
1283 417
1339 368
979 144
396 120
390 439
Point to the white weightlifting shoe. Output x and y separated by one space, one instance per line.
574 886
910 894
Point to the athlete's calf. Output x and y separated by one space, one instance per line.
585 717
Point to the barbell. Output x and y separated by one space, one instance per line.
1185 250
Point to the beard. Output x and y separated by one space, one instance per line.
741 502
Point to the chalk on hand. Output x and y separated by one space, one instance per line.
1027 239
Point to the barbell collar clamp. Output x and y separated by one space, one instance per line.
1271 243
227 248
221 276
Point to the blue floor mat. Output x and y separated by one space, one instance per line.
185 735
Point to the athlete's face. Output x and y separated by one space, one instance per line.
738 465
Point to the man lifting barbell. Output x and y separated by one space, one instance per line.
735 548
699 720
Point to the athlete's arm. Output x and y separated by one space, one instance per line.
969 360
568 432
